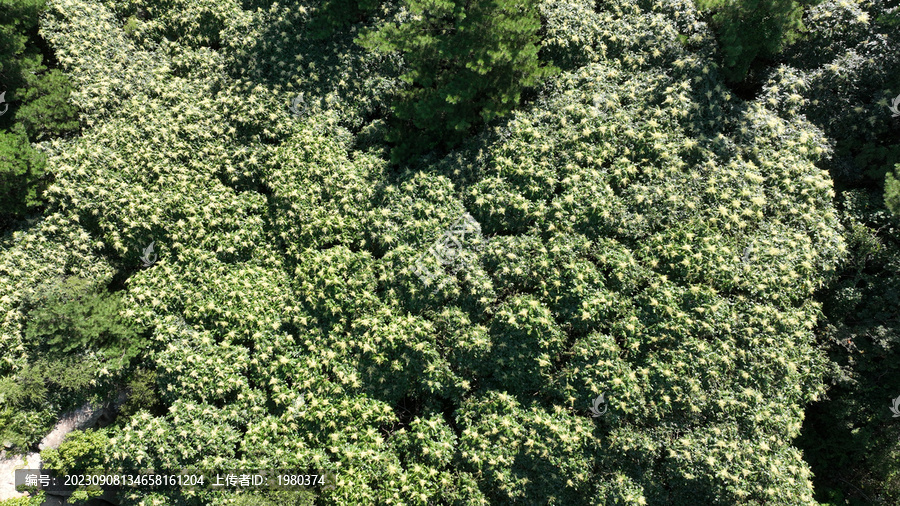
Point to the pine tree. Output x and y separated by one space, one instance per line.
35 107
751 29
74 316
21 176
466 63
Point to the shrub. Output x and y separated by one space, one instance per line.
32 500
81 452
23 427
277 498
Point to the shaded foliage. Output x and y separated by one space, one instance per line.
851 439
748 30
465 64
73 317
892 190
35 108
848 67
22 177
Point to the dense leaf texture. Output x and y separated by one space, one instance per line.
751 29
34 107
646 235
466 63
21 172
71 316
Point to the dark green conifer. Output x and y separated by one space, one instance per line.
466 63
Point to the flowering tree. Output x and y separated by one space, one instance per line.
648 237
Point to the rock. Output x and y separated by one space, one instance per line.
85 417
8 472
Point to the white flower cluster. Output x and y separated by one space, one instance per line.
448 250
620 208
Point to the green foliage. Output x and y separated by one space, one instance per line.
332 15
142 392
65 364
750 30
35 108
196 24
846 66
79 451
276 498
51 380
851 439
22 177
623 172
40 389
848 63
46 111
526 455
38 97
527 343
18 23
23 427
76 316
214 373
647 235
466 63
32 500
190 435
892 190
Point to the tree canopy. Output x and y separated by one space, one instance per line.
634 230
465 63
